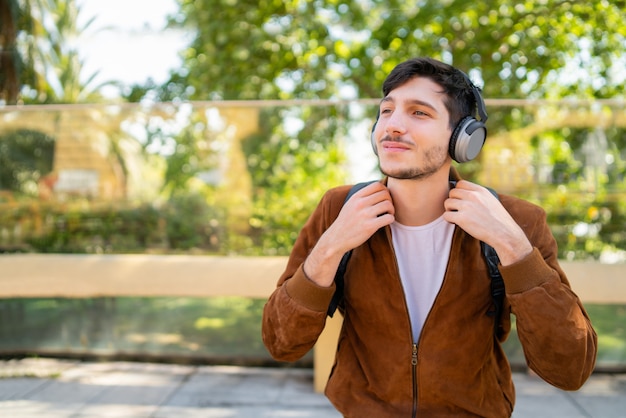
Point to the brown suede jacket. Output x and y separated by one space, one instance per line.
458 368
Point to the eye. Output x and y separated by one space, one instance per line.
385 111
420 113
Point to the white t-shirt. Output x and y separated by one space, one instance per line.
422 253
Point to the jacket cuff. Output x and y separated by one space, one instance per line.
307 293
526 274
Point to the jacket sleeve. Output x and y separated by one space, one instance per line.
557 337
295 313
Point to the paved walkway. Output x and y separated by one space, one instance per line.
54 389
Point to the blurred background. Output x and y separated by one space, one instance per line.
211 128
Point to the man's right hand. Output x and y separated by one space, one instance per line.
368 210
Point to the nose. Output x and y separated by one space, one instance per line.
395 124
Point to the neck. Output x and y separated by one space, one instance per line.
419 202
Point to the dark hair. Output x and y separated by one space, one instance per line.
459 98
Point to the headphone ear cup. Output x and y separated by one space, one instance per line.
373 139
467 140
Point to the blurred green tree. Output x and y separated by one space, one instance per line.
53 71
25 157
247 49
264 50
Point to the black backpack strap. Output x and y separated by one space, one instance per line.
338 295
343 264
497 282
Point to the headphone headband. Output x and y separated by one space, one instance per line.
478 98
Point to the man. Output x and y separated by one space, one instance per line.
417 338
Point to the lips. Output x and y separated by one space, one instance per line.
394 146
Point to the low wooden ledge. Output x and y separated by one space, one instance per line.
595 282
79 275
86 276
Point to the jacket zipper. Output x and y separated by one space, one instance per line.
414 344
414 356
414 366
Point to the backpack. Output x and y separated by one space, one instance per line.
489 254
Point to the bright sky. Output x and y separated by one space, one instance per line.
127 41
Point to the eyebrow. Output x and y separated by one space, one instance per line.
411 102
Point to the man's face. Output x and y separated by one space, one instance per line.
412 133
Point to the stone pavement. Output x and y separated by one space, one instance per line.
59 388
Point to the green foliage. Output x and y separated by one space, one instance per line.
609 321
219 329
586 227
188 221
25 158
244 49
329 49
93 230
583 178
312 49
333 50
290 172
186 161
51 70
192 223
579 179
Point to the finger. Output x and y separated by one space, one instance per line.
371 188
384 207
373 194
453 204
383 220
462 193
454 215
475 193
467 185
451 217
380 197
